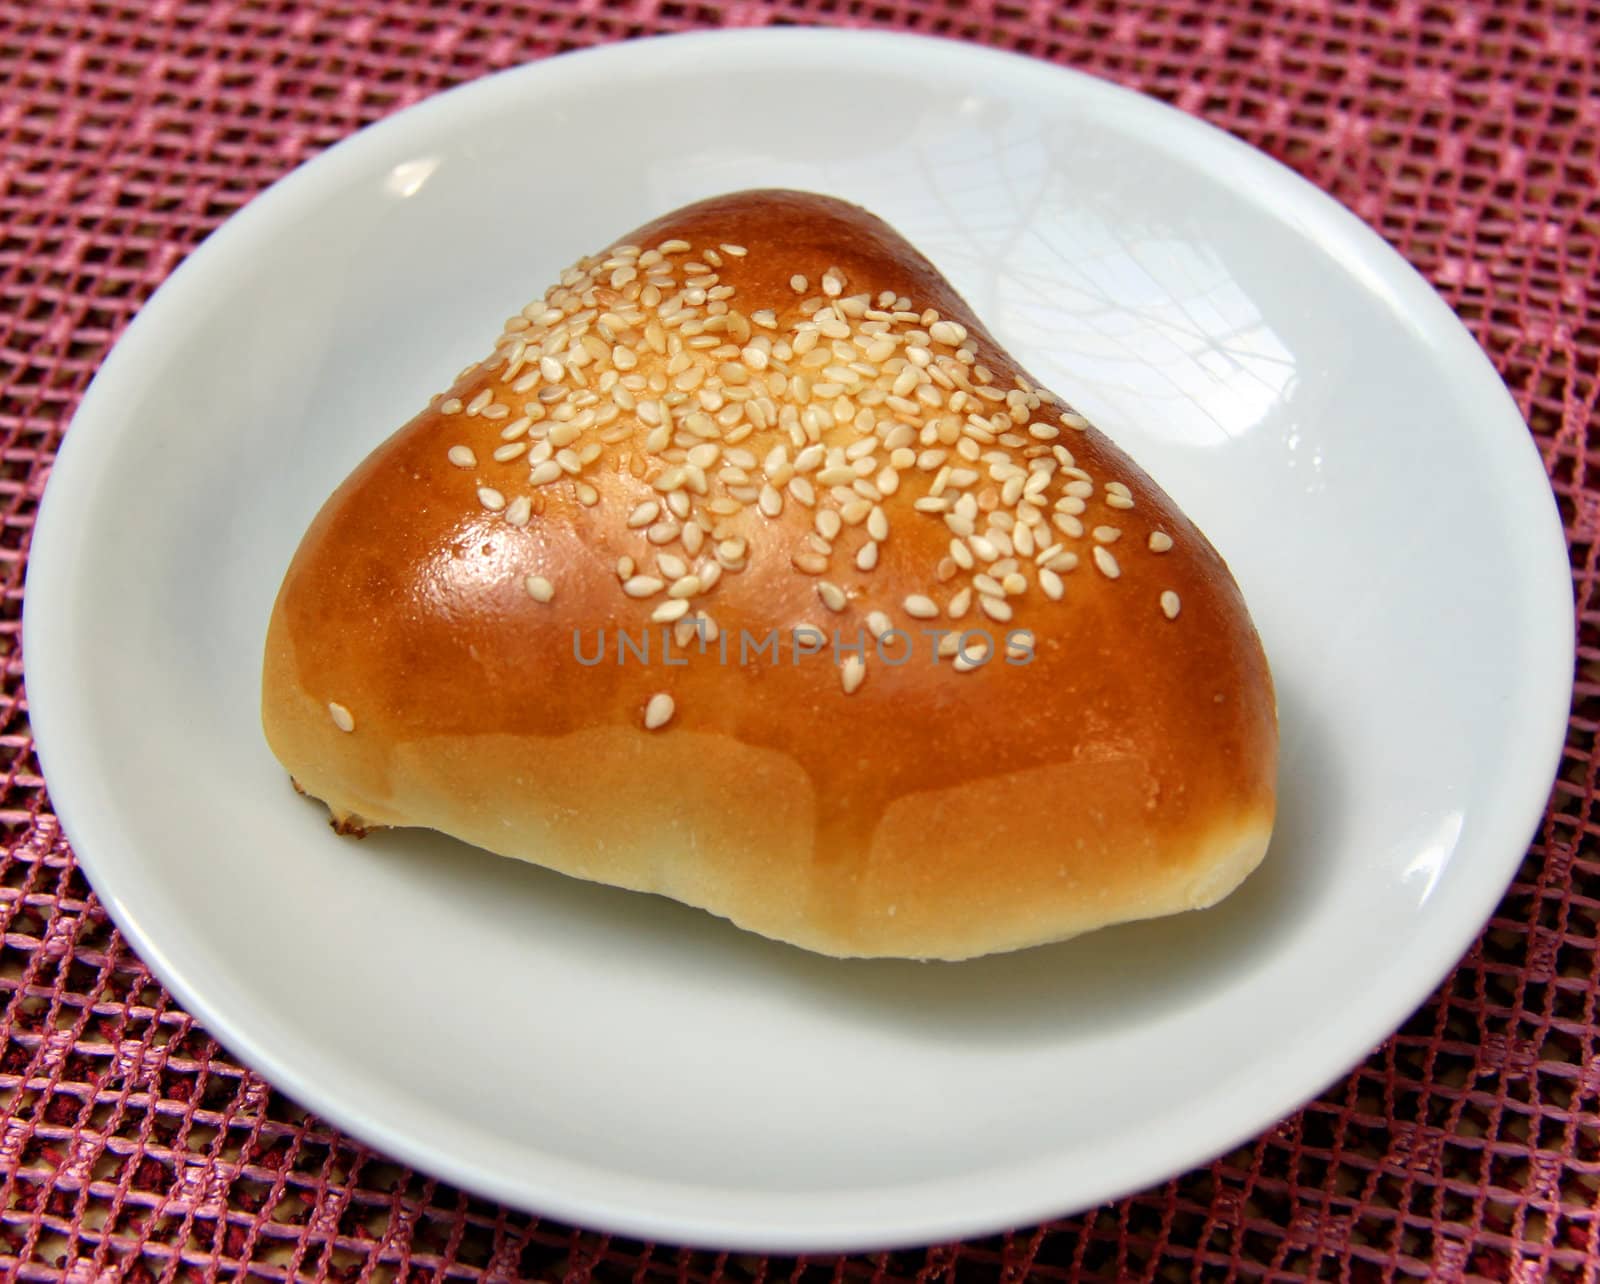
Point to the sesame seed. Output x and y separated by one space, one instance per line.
539 588
1115 500
658 711
685 586
738 251
451 407
831 594
544 472
476 405
1107 534
1170 604
693 537
669 611
342 717
920 607
852 673
1106 563
462 457
1051 583
643 514
642 586
505 454
674 247
491 499
519 511
797 283
1160 541
947 332
867 556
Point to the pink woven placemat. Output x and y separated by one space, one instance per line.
132 1147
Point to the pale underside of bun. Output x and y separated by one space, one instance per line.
656 430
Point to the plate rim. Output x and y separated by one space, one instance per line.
48 612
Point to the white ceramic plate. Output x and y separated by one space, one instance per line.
626 1063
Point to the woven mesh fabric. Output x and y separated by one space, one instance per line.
1467 1146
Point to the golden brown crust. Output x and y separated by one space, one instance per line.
1129 769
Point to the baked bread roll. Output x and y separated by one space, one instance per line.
1033 702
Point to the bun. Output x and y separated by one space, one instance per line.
430 656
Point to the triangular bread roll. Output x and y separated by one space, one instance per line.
760 413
